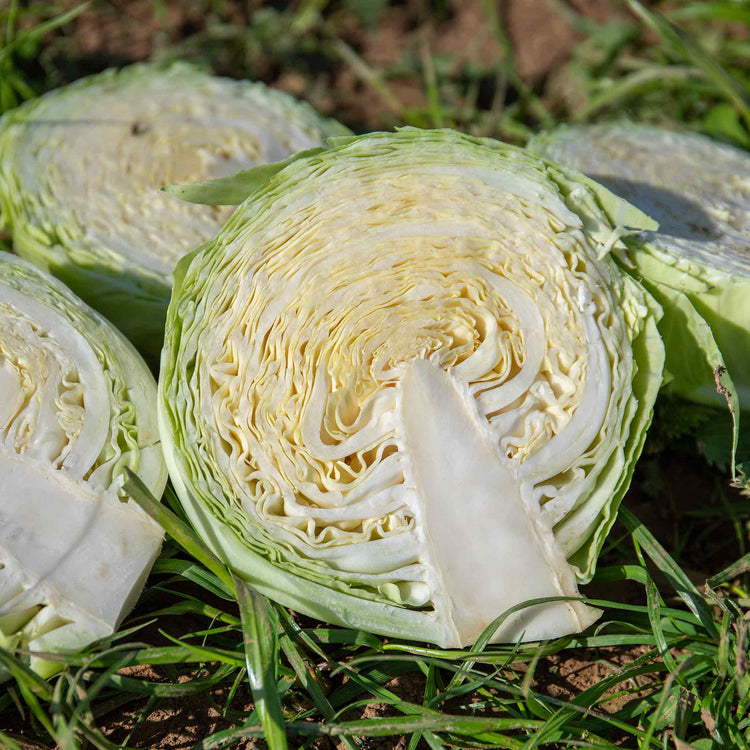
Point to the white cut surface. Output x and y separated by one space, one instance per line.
89 160
83 555
473 510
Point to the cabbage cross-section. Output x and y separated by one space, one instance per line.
405 387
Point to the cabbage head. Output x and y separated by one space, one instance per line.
77 406
81 168
405 386
699 192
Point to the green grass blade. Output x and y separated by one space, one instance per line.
177 529
398 725
260 631
24 676
675 575
741 567
195 686
713 11
12 44
310 680
195 573
205 653
8 743
733 90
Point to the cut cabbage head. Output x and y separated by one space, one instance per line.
81 169
77 406
699 192
405 387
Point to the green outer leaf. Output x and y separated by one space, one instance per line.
620 212
693 355
260 630
232 190
694 361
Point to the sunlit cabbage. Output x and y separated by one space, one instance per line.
405 387
77 406
699 192
81 168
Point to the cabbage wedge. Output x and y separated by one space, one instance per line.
77 406
699 192
81 168
405 387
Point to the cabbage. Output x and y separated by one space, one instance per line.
405 387
699 192
81 168
76 408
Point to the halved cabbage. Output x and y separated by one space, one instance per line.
81 168
405 387
77 406
699 192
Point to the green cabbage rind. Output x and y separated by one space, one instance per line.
208 280
700 192
81 167
648 347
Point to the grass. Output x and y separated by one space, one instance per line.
210 664
685 679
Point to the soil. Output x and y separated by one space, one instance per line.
541 37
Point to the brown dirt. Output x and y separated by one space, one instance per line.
541 37
563 676
177 724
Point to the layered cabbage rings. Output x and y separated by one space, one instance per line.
405 387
